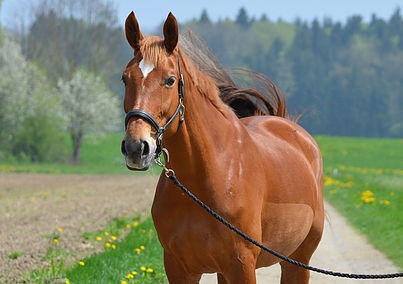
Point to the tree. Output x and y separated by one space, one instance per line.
26 99
88 107
70 34
204 17
242 19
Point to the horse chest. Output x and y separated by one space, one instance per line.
183 226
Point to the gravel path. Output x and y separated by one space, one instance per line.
35 205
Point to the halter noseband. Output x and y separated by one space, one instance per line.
180 110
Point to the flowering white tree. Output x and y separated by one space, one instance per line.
88 107
24 96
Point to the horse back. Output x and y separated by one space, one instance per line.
272 132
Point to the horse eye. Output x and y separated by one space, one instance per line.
170 81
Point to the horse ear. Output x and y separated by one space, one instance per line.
133 33
171 33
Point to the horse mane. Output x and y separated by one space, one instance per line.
263 98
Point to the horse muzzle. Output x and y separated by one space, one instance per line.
139 154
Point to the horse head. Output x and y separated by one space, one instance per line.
153 92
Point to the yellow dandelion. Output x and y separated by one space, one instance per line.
134 273
55 241
82 263
113 246
67 281
149 270
60 230
107 245
129 276
136 224
142 247
128 226
113 238
138 251
143 268
385 202
367 196
106 233
123 282
99 238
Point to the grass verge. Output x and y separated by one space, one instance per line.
363 180
130 254
136 259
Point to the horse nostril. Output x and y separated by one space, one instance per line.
146 148
123 147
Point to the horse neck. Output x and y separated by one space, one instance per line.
207 130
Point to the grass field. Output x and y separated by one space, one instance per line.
363 180
99 155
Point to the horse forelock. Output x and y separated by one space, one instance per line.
152 50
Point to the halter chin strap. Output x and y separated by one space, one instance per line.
180 110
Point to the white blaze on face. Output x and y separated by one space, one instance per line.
145 68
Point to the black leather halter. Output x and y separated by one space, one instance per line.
180 110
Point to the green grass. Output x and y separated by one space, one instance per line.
136 259
131 253
99 155
364 181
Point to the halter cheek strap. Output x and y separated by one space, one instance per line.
180 110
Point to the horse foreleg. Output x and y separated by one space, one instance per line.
176 272
240 269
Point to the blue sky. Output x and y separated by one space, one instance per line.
152 12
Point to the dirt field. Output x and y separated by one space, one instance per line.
33 205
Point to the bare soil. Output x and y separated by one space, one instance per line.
32 206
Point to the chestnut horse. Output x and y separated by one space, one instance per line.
261 173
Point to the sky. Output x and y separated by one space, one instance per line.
151 13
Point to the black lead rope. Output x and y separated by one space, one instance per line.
171 175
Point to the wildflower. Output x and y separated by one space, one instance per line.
138 251
136 224
143 268
107 244
99 238
113 238
142 247
113 246
129 276
106 233
67 281
60 230
134 273
149 270
82 263
55 240
367 196
127 226
385 202
123 282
